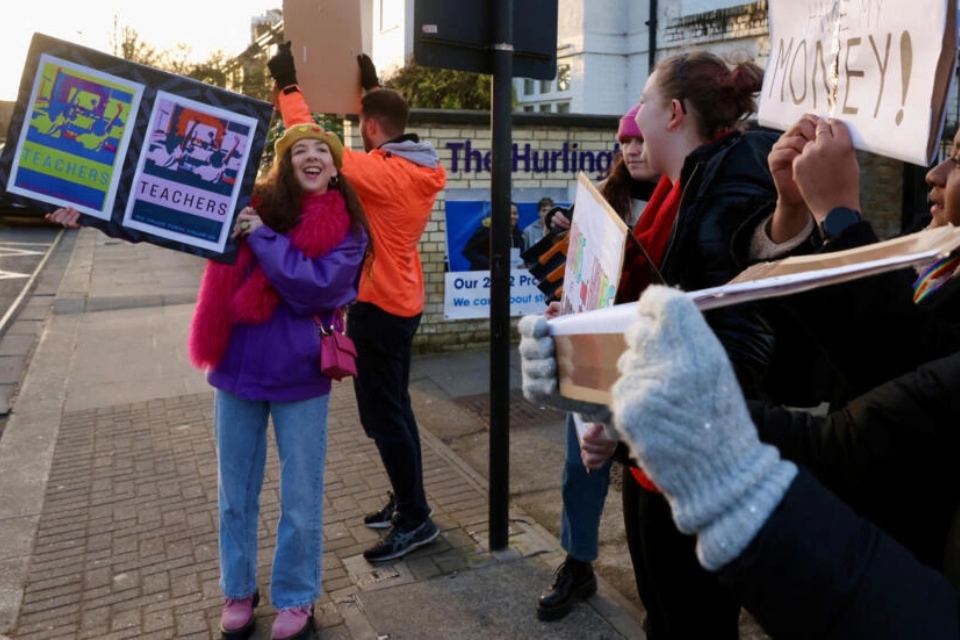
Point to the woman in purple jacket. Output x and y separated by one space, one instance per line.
255 333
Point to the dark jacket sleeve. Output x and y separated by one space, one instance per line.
883 450
870 327
817 570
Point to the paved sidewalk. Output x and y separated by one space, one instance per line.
108 488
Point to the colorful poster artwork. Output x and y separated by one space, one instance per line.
71 152
467 280
186 184
595 252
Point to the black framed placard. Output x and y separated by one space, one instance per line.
141 153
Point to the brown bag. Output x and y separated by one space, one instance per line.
338 354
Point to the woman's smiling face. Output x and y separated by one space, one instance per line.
313 165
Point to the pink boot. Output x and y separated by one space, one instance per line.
293 624
237 621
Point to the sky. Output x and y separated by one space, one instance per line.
203 25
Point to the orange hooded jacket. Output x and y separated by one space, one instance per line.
397 193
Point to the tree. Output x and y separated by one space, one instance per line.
211 71
430 88
129 47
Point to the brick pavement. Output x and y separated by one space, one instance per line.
127 542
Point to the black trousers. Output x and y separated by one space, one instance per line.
683 600
384 343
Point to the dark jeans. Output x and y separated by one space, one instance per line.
384 342
683 600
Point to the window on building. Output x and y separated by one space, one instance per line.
391 12
563 77
528 108
563 107
528 87
546 86
545 108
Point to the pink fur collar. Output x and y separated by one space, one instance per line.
241 292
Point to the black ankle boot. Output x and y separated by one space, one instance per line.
574 581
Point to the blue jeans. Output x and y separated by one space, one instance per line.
583 496
384 344
301 432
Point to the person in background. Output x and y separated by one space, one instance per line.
631 181
303 243
397 178
534 232
477 249
627 187
583 492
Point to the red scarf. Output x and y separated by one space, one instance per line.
241 292
652 232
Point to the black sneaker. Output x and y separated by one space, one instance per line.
399 542
383 519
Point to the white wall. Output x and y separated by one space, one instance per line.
605 42
392 34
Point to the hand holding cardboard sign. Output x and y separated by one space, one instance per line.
792 214
67 217
784 152
827 171
368 73
282 67
539 368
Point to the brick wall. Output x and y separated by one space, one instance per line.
881 192
747 20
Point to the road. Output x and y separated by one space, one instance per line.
23 244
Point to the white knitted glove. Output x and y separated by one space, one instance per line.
538 363
677 403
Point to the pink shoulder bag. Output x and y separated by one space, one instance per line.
338 355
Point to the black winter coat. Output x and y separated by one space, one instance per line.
891 452
723 184
817 570
870 327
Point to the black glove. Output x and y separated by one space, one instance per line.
368 72
548 222
282 68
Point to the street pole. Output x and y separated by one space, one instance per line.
501 123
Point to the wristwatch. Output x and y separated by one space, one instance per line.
837 220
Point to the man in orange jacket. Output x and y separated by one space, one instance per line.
397 179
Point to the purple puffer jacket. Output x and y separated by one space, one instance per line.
279 360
